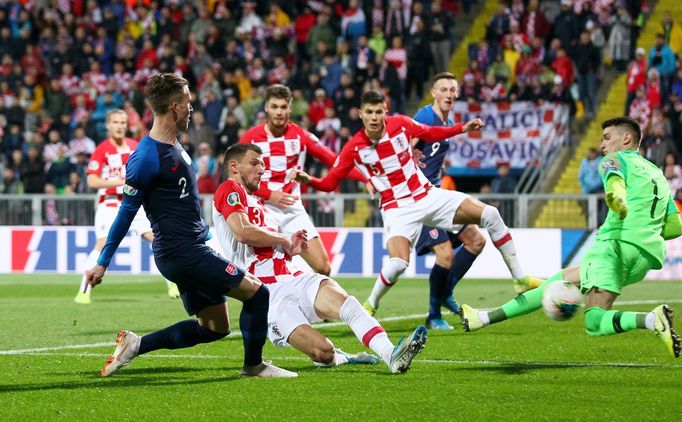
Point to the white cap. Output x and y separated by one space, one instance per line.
641 51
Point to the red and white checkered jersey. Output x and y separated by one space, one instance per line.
269 264
388 163
284 155
71 85
109 162
97 79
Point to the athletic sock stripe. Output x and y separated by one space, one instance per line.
504 239
383 280
616 322
369 335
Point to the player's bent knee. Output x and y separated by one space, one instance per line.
476 243
593 317
394 269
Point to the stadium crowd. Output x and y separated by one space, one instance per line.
64 64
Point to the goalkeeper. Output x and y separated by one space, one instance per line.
642 215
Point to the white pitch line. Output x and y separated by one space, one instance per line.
237 334
429 361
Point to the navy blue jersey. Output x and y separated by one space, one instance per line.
434 152
160 176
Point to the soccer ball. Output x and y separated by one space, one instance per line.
560 300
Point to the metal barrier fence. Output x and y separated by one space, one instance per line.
326 210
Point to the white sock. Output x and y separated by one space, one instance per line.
337 360
90 262
650 321
483 316
499 233
387 278
367 329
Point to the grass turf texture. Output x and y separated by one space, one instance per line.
529 368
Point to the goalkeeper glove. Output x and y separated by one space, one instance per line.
616 198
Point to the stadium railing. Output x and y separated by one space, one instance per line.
326 210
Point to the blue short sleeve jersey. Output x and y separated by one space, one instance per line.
160 176
434 152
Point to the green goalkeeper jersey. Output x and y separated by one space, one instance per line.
649 202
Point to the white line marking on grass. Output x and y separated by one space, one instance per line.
237 334
430 361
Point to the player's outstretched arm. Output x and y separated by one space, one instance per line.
342 167
328 157
132 200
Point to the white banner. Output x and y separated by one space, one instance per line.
514 133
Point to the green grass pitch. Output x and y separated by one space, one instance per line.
530 368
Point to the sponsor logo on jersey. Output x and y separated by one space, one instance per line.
174 166
233 199
433 233
129 190
94 165
231 269
275 330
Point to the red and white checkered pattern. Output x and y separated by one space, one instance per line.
282 156
109 162
270 265
70 84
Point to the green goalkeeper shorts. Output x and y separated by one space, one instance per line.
613 264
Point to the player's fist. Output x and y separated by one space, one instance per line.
418 157
301 177
475 124
95 274
616 204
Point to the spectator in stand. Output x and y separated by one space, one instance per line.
672 32
661 58
498 26
588 175
418 59
329 121
587 63
559 93
518 38
303 24
470 90
620 38
318 105
32 172
519 91
653 88
640 109
205 165
504 182
527 65
492 91
80 143
11 183
60 169
657 138
596 35
500 69
563 66
199 131
534 22
673 172
585 15
636 76
396 56
440 25
565 26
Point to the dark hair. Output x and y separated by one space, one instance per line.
163 89
278 91
372 97
442 75
237 151
627 123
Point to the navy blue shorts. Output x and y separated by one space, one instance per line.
430 237
203 277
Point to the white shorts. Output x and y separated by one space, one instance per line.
292 304
437 209
106 214
292 219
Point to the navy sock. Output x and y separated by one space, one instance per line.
180 335
253 322
438 281
460 265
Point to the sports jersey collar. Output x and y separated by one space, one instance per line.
269 134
